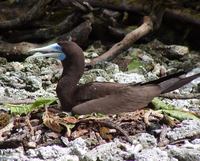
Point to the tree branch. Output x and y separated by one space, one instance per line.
126 42
15 50
35 12
46 33
79 34
178 96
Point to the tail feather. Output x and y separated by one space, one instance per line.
175 83
162 79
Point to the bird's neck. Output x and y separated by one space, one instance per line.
72 72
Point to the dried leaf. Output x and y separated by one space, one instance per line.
57 124
105 133
70 119
4 119
79 132
169 120
5 129
52 122
92 116
69 127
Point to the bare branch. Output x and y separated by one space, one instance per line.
35 12
15 49
178 96
49 33
126 42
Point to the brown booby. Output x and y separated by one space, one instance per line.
107 98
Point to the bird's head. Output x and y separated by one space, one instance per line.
61 50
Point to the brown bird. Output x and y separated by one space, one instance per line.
107 98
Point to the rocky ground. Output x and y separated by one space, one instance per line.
151 135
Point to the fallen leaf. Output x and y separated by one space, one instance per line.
105 133
70 119
52 122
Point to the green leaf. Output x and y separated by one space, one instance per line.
135 63
27 108
172 110
181 115
158 104
19 109
41 101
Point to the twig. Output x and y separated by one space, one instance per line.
162 138
151 113
178 96
79 6
25 101
27 120
146 117
56 141
110 125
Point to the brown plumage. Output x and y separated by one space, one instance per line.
106 97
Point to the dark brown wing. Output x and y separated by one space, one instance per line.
126 99
96 90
